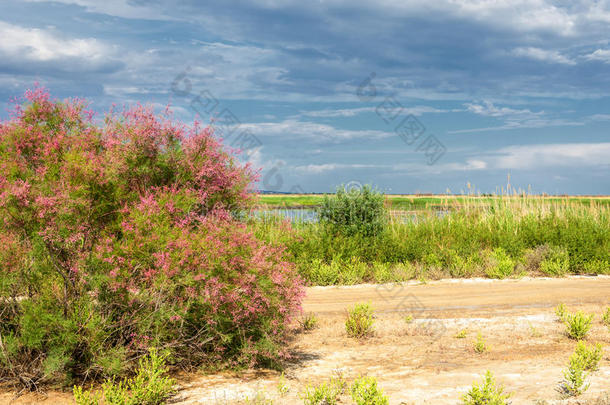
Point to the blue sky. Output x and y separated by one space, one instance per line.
411 96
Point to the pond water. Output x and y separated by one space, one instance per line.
309 215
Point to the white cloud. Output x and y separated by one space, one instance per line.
351 112
550 155
600 54
293 129
487 108
116 8
321 168
42 45
543 55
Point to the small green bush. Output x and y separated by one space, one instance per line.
556 263
479 345
309 322
354 212
560 311
150 386
578 324
326 393
500 264
359 323
574 377
366 392
588 355
487 393
606 317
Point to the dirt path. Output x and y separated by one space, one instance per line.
423 362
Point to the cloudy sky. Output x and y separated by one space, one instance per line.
409 95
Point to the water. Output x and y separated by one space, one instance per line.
308 215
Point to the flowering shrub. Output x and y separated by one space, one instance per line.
120 236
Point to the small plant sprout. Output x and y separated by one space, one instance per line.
480 346
326 393
560 311
462 334
578 325
486 393
534 331
366 392
408 318
588 355
606 317
282 386
309 322
359 323
574 377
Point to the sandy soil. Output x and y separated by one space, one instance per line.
423 362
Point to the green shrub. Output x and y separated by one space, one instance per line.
560 311
120 235
149 386
326 393
578 324
606 317
589 356
556 263
366 392
309 322
359 323
479 345
500 264
574 382
487 393
354 212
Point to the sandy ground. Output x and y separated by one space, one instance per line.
423 362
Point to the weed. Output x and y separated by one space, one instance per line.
578 325
326 393
309 322
408 318
574 378
557 262
534 331
560 311
366 392
588 355
487 393
282 385
149 386
606 317
461 334
359 323
500 264
479 345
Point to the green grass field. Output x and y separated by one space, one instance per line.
420 202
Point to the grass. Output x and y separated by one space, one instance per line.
365 391
486 393
309 322
491 237
480 345
578 324
359 322
326 393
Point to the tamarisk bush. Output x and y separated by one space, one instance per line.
118 236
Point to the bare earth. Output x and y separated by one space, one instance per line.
423 362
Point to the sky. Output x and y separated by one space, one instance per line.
410 96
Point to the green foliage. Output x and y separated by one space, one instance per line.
326 393
486 393
574 382
500 239
578 324
309 322
150 386
606 317
561 311
557 262
365 391
479 345
500 264
461 334
359 323
354 211
588 356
